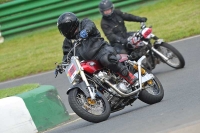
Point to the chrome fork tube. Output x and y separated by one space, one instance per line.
91 90
139 70
160 54
156 51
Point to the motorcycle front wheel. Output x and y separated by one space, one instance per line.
153 92
176 59
97 110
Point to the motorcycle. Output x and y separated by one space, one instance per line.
96 91
156 51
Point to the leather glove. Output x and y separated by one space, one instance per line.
130 46
143 19
133 56
123 41
58 69
56 73
83 33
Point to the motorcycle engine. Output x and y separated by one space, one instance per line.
122 87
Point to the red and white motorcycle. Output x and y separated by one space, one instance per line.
96 91
156 51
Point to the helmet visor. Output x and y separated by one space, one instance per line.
68 29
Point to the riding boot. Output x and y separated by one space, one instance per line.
130 78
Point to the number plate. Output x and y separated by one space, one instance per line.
72 70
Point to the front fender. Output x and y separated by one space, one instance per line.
82 86
158 42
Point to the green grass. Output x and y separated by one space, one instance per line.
37 51
16 90
173 19
4 1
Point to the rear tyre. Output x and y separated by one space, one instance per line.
95 111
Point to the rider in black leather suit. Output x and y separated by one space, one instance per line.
113 25
92 47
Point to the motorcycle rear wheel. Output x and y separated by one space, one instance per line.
90 110
152 93
176 59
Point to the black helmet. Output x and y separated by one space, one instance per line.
105 5
67 24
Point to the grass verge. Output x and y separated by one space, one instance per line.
37 51
17 90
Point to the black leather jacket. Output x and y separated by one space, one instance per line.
90 46
114 26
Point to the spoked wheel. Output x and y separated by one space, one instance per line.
90 110
176 60
153 91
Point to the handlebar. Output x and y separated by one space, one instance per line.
143 25
77 41
60 66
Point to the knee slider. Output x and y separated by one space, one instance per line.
112 58
104 60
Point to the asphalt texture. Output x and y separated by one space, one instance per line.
178 112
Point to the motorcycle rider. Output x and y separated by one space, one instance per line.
113 25
92 47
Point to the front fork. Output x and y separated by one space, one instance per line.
160 54
91 89
158 42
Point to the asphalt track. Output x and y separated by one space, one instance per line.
178 112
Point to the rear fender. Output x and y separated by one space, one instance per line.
82 86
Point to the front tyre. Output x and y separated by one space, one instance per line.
176 60
90 110
153 92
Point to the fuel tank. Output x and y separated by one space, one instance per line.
91 66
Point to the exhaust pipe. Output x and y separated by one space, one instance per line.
119 92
